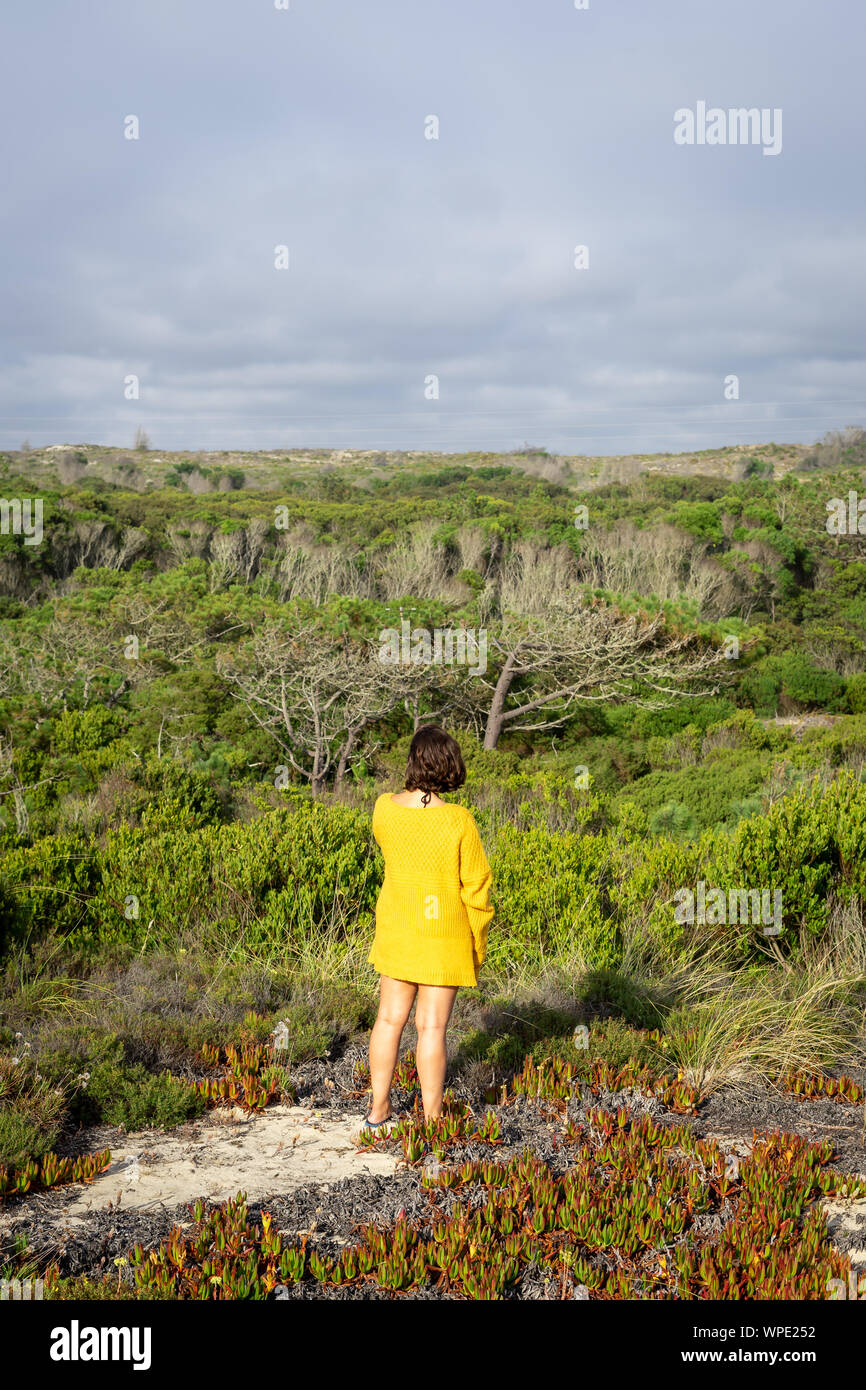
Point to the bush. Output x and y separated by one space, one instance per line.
31 1110
135 1098
278 882
104 1088
701 795
855 693
792 849
48 886
85 730
610 991
673 819
23 1137
550 897
511 1031
793 679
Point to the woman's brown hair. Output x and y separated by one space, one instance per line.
435 762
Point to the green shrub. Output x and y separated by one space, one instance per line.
80 1289
673 819
511 1032
85 730
135 1098
31 1110
273 883
48 884
611 991
645 875
550 897
855 693
611 1040
793 677
793 849
23 1137
843 804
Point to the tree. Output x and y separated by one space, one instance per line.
100 652
318 694
66 659
589 652
8 773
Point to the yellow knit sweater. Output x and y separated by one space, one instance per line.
433 911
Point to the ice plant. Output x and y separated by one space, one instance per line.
249 1077
52 1171
809 1086
621 1220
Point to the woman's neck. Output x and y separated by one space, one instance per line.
417 797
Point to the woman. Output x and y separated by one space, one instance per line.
432 917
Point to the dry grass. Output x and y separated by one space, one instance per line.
733 1030
32 989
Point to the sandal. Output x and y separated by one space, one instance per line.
380 1126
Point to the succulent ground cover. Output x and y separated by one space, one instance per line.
624 1218
52 1171
806 1086
578 1173
247 1076
613 1196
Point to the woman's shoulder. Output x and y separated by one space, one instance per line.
468 824
460 812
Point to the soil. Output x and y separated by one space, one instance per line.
303 1165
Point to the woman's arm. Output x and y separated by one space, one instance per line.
475 881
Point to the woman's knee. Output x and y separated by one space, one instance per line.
392 1018
396 998
431 1028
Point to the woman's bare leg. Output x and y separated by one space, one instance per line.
432 1013
395 1005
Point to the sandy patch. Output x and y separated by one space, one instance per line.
846 1222
270 1153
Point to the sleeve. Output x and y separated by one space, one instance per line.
475 882
376 821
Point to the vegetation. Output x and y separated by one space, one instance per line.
665 734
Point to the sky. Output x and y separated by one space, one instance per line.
430 295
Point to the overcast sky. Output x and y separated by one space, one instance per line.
412 257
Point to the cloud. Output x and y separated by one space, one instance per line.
411 257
